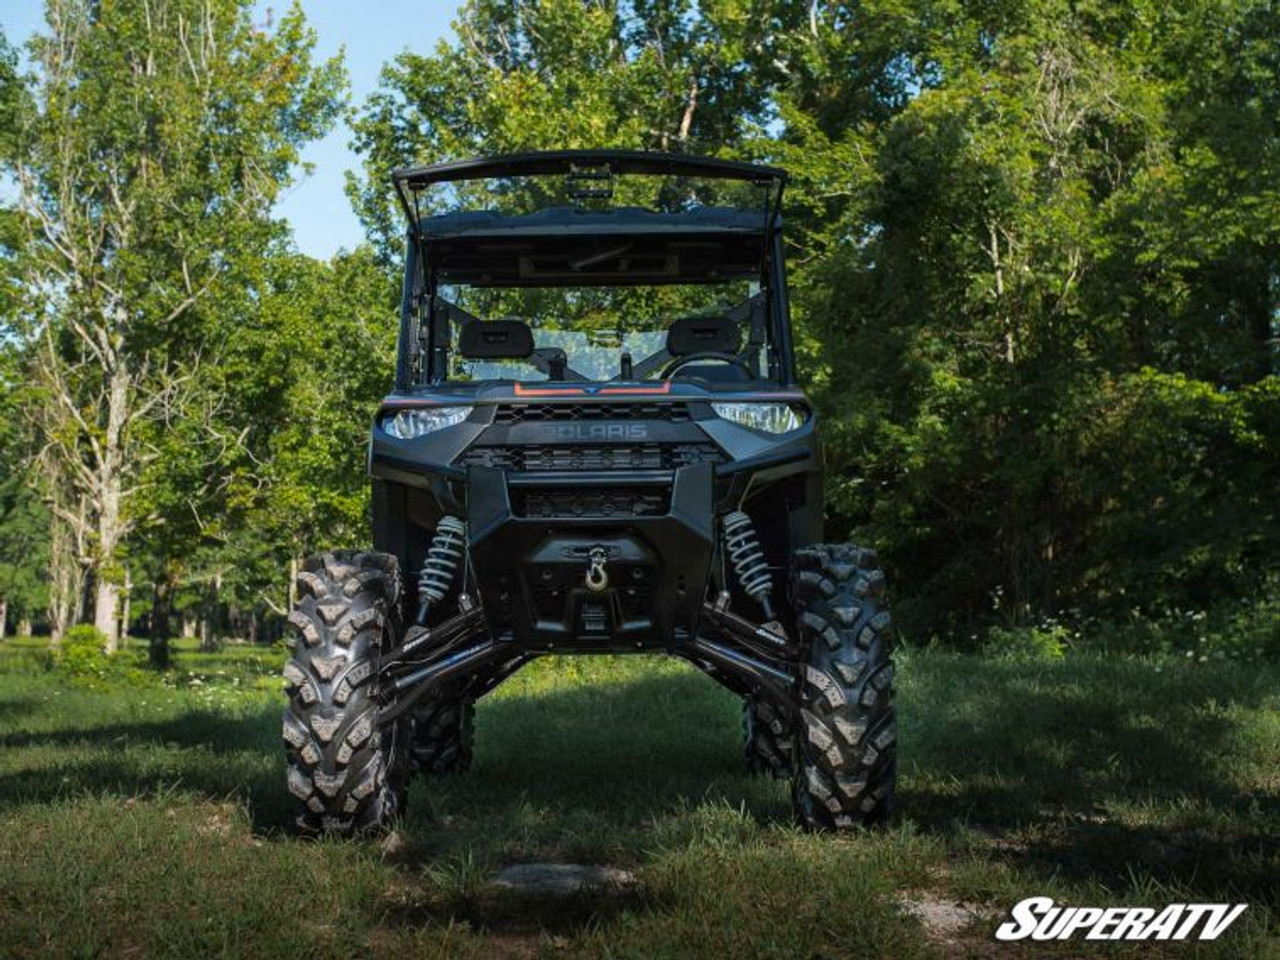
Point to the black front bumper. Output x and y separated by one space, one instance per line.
531 570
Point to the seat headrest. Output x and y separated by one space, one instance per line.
703 335
495 340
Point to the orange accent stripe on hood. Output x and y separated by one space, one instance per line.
523 391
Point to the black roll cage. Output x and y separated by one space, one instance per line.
419 286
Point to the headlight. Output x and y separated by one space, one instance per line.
769 417
418 422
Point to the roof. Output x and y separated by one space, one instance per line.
564 161
574 246
559 221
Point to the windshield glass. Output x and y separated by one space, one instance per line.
584 333
590 268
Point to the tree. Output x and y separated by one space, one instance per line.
557 74
300 381
1033 204
24 520
151 141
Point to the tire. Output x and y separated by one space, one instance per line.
846 743
770 739
440 735
347 773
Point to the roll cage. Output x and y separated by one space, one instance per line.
577 246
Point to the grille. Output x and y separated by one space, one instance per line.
609 502
546 458
566 412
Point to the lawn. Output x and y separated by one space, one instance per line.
141 817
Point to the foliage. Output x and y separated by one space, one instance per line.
82 652
1039 398
557 74
24 518
1244 629
1035 251
1044 641
151 140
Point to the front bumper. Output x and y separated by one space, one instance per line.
532 570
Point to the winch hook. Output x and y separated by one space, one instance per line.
597 578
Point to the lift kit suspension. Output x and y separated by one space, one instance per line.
440 566
743 547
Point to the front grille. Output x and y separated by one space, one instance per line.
567 412
543 458
606 502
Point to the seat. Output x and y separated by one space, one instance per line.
495 340
690 335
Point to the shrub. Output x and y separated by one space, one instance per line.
82 652
1045 641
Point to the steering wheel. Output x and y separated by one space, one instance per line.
670 369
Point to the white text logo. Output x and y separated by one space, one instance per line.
1040 919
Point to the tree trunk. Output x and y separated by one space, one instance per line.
24 626
105 603
209 627
110 520
126 603
67 571
4 616
188 624
161 610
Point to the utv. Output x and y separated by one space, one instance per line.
595 444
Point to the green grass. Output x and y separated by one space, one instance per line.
147 817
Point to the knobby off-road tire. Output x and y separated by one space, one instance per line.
348 775
441 734
846 741
770 739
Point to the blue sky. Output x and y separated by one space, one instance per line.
373 32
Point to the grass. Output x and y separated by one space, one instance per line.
147 817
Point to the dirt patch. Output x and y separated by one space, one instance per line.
944 921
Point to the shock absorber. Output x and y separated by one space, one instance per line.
440 566
743 547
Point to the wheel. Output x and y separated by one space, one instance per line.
440 735
347 773
770 739
846 741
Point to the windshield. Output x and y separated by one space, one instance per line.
590 333
602 266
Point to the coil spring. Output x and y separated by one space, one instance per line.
443 556
744 551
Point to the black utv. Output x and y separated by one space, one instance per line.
595 444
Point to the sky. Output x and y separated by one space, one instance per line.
373 32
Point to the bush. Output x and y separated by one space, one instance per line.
1045 641
82 652
1243 630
